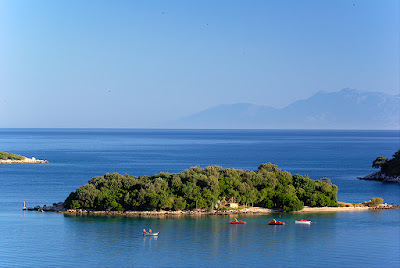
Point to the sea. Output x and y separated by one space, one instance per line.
334 239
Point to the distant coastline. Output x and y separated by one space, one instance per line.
10 158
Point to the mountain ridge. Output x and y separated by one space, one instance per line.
344 109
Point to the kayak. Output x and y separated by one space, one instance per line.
274 222
302 222
237 222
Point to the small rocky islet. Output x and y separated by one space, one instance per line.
10 158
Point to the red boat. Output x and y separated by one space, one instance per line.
236 221
276 222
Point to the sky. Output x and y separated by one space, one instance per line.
142 64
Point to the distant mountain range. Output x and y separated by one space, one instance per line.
345 109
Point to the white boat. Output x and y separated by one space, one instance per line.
150 234
302 222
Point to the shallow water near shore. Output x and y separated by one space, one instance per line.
356 239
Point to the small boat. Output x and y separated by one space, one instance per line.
276 222
150 234
236 221
302 221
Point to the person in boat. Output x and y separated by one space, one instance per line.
150 231
144 231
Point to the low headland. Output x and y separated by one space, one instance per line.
10 158
389 169
209 191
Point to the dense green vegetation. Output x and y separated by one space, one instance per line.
388 167
267 187
4 155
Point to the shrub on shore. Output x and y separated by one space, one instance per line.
266 187
375 202
5 156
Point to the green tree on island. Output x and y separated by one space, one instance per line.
267 187
379 161
388 167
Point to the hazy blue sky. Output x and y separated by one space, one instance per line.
141 64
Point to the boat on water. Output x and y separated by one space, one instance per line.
302 221
275 222
151 234
236 221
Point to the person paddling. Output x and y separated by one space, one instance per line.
144 231
150 231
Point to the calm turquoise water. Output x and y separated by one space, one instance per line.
347 239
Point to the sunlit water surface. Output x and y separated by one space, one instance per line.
346 239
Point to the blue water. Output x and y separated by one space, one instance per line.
346 239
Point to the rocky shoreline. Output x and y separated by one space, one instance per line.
26 160
59 207
379 176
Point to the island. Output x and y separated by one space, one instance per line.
389 169
208 191
10 158
210 188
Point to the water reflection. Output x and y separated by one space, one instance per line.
210 241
